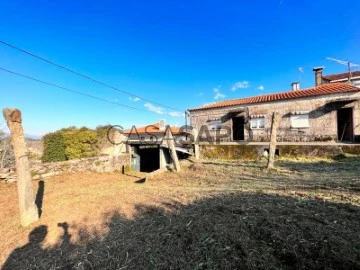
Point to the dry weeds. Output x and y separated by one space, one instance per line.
213 215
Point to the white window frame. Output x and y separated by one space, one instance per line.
215 125
299 120
257 123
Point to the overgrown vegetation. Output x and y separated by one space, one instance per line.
215 214
102 135
80 143
54 147
70 143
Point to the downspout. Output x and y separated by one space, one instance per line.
186 114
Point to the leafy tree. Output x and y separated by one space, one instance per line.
54 147
80 143
70 143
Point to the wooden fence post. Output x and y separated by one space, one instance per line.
196 144
272 148
28 209
171 145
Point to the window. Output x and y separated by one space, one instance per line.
257 122
215 125
356 83
299 120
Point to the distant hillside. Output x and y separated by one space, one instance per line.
27 136
33 137
36 147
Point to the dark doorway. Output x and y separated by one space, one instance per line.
345 124
238 128
149 158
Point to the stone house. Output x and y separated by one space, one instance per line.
330 111
352 77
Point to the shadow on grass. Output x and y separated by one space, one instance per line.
40 196
130 175
250 231
234 163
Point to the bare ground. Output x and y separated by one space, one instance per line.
213 215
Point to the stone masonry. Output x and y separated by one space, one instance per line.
322 118
41 170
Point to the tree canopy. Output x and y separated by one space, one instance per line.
70 143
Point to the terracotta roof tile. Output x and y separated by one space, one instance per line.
326 89
341 76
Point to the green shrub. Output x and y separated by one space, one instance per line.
54 147
80 143
97 163
70 143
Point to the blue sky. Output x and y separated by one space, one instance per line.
179 53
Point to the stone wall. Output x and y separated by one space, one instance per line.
41 170
243 151
322 118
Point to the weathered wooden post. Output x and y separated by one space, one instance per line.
171 145
28 210
196 144
272 148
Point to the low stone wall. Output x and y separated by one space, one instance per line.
41 170
242 151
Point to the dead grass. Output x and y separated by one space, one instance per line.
213 215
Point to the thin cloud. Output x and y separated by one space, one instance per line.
200 94
135 99
261 88
153 108
218 94
159 110
240 85
176 114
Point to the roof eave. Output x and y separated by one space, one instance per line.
261 102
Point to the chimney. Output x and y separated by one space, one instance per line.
162 125
318 75
295 86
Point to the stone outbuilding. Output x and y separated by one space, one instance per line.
149 149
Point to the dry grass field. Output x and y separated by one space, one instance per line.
213 215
